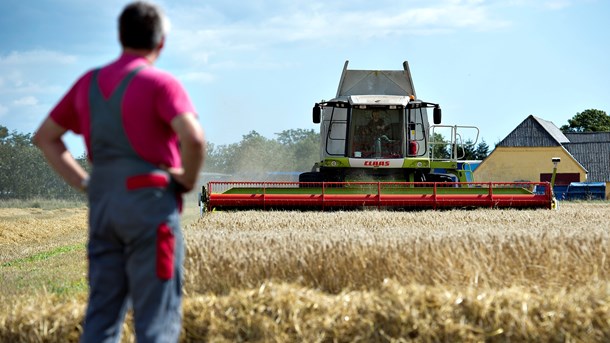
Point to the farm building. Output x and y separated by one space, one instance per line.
526 153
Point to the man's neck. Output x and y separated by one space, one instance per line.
150 55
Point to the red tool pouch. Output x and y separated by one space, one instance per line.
166 244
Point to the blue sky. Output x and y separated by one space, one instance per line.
261 65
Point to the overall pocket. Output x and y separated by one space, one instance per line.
166 245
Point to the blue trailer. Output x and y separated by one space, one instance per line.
586 191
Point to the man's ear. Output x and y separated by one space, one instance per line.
161 44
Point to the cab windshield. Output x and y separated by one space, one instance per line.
376 133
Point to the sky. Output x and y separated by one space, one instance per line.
261 65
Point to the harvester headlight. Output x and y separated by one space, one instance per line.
333 163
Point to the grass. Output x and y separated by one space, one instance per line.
60 271
43 249
429 276
45 204
43 255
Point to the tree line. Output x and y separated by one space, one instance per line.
24 174
590 120
291 151
469 150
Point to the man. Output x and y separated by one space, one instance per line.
376 130
146 148
376 125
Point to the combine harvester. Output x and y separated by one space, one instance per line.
377 151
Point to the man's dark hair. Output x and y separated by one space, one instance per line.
141 26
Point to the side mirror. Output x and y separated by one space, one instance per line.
437 115
317 111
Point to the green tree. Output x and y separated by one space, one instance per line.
293 150
590 120
24 173
3 133
251 158
257 154
439 147
303 148
482 150
469 150
213 162
294 136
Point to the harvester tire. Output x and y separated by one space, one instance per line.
202 201
311 177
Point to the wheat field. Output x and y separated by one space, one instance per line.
368 276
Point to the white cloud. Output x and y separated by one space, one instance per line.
26 101
24 114
202 32
20 58
557 4
199 77
33 80
552 5
33 71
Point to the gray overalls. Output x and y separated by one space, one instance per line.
136 248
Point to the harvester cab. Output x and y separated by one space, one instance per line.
375 129
379 149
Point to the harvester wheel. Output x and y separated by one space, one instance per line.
310 177
203 201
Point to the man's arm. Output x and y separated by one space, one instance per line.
48 139
192 149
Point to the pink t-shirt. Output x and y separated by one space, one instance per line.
152 100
